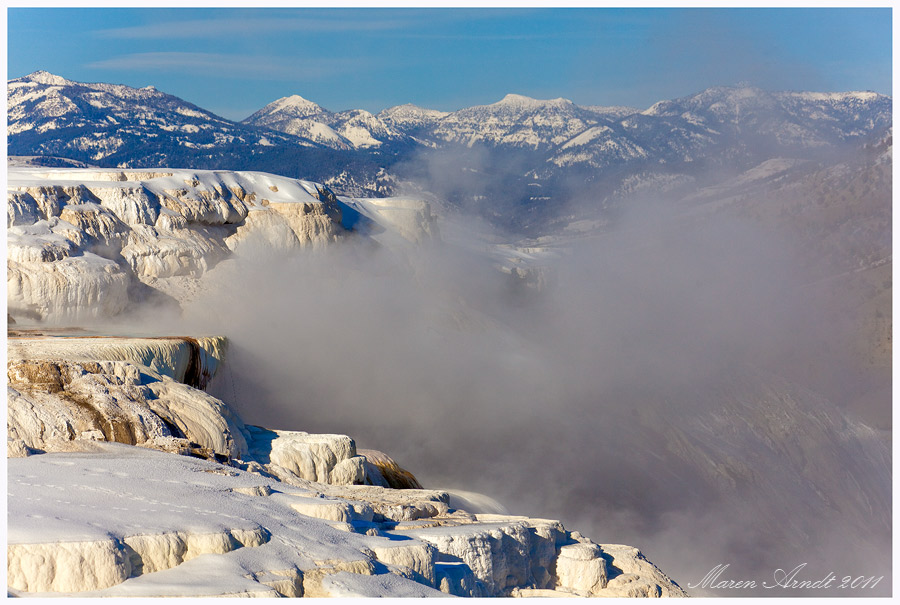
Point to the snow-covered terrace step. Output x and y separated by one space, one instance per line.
165 515
502 551
189 360
173 525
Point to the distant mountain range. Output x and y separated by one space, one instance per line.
519 156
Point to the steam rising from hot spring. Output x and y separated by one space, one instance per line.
567 402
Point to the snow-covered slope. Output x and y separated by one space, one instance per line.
364 130
617 111
411 118
107 122
791 119
516 121
352 129
739 124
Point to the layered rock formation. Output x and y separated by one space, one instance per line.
179 526
244 511
87 243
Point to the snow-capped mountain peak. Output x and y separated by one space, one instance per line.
45 77
300 117
294 106
351 129
516 101
718 98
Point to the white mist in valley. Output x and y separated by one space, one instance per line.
647 394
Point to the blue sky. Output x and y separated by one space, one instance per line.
234 61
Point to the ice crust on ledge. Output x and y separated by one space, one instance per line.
169 356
